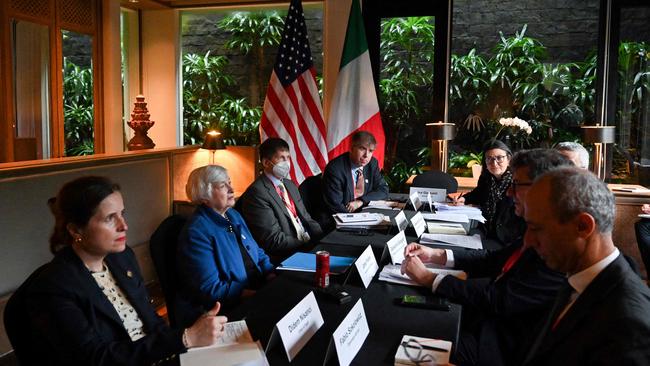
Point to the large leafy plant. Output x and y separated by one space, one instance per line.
407 55
78 109
208 103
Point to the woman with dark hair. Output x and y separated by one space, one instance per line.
490 194
89 305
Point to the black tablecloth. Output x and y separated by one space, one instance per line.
387 321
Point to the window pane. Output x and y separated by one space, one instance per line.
631 161
406 85
78 93
31 62
524 59
227 61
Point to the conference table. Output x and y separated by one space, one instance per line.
388 321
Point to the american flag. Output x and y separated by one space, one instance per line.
292 108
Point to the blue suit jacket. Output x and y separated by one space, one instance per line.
210 263
72 322
337 183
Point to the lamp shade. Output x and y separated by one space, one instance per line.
213 141
598 134
441 131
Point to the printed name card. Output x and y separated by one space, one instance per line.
299 325
401 221
430 202
396 247
350 334
437 194
415 200
367 266
418 224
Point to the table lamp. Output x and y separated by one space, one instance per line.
599 136
213 142
440 133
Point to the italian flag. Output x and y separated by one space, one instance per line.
354 105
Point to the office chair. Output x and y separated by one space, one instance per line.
17 325
163 245
436 179
311 191
642 231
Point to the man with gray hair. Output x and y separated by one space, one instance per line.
602 316
575 152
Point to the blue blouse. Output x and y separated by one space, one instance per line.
210 262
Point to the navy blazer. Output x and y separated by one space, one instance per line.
210 263
73 323
338 189
608 324
269 220
508 305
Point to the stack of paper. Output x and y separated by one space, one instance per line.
462 241
366 220
473 213
235 347
306 262
392 273
422 351
387 205
446 217
451 228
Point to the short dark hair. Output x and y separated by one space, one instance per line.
362 138
539 161
76 203
270 146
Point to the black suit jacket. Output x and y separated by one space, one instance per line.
268 218
508 306
338 189
73 323
608 324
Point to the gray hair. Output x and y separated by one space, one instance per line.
576 148
199 183
576 191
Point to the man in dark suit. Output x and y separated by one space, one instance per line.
508 289
273 208
602 317
352 179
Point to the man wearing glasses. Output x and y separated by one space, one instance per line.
508 289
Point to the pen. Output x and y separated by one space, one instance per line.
423 346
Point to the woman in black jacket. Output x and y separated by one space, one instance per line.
89 305
490 195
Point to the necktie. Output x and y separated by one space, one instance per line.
359 185
295 220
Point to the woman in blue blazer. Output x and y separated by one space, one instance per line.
218 259
89 305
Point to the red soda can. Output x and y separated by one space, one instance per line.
322 269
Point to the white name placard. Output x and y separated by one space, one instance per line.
401 221
418 224
437 194
367 266
430 201
299 325
396 247
415 200
350 334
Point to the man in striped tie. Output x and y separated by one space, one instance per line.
273 208
353 179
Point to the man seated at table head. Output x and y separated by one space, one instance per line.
273 208
508 289
352 179
602 316
574 152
